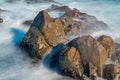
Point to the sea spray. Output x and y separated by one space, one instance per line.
15 64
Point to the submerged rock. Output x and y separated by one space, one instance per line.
28 22
1 20
58 8
83 55
12 1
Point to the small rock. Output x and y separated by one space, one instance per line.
28 22
111 72
1 20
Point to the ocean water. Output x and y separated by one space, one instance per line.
14 63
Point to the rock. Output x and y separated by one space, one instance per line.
70 63
53 31
91 25
116 57
73 13
1 20
44 33
83 55
111 72
108 43
58 8
28 22
36 1
12 1
34 43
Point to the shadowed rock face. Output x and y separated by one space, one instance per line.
47 32
70 63
35 43
111 72
83 55
108 43
116 57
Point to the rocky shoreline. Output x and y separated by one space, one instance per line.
78 57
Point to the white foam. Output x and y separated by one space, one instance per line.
56 14
14 64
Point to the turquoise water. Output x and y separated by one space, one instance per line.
14 63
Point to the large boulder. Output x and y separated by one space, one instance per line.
108 43
111 72
83 55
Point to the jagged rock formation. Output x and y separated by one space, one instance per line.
83 55
46 32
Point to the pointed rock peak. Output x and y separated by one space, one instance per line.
42 18
44 14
